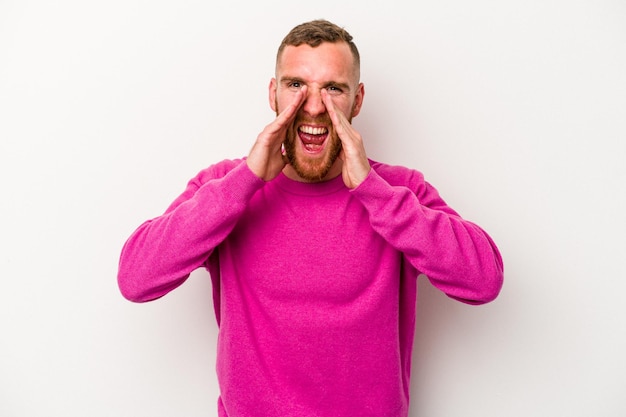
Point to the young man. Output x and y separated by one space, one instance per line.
314 250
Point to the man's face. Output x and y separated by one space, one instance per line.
312 145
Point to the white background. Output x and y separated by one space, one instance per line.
514 110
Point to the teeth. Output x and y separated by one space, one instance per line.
313 130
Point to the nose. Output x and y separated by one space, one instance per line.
313 104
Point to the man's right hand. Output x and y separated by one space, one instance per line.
265 159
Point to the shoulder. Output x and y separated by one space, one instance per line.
206 175
216 171
398 175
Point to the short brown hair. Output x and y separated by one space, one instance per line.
314 33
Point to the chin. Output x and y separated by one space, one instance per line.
312 167
315 169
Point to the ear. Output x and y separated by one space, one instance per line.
272 94
358 100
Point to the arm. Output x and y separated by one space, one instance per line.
456 255
162 252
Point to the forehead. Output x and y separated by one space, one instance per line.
328 61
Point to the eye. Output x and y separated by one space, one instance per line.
334 90
294 85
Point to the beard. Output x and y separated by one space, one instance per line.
309 168
313 169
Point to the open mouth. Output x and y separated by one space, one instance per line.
312 137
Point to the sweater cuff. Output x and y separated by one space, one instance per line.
374 187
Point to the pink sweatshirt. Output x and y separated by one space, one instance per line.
315 285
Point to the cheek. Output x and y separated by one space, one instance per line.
346 106
283 99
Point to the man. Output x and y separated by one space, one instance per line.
314 250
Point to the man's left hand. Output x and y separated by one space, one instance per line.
355 167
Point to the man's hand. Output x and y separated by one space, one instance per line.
355 167
265 159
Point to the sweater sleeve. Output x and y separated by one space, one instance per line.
162 252
457 256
